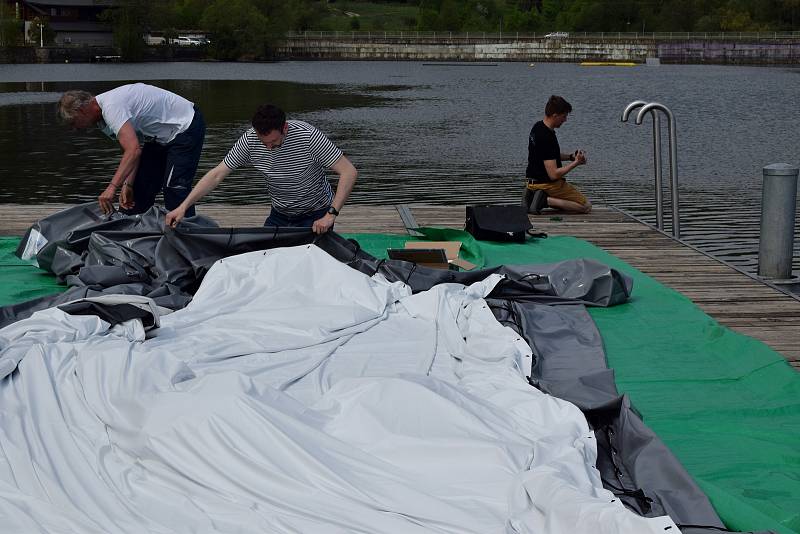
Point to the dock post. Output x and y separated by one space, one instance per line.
778 206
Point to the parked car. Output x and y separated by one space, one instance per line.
186 41
556 35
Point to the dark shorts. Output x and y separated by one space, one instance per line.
277 218
169 168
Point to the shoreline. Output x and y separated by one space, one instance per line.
681 51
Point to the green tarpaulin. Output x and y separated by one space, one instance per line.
19 280
727 405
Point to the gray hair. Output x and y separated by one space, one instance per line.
71 102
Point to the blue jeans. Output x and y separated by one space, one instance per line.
169 168
305 220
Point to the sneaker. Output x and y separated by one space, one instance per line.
539 202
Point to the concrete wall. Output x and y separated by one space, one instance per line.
756 52
736 52
564 50
17 54
542 50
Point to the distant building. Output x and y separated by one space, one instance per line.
74 22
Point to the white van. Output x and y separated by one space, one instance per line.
556 35
155 40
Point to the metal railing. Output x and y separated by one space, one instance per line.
653 109
447 35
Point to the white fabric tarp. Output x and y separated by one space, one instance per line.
293 394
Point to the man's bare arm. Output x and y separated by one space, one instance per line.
207 183
557 173
126 170
347 179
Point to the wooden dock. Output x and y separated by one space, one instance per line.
732 298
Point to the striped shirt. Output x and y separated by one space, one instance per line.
294 171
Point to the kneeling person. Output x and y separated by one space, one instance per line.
292 156
547 185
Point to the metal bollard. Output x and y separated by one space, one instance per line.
778 205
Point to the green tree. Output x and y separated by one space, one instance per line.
129 22
427 15
238 29
297 15
11 29
186 14
518 20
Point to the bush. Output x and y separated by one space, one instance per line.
11 32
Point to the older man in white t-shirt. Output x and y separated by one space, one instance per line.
161 135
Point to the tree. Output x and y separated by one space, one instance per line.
129 21
238 29
10 27
518 20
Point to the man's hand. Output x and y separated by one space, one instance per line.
324 224
126 196
106 199
580 157
175 216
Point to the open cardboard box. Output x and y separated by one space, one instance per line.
436 254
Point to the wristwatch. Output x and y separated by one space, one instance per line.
333 211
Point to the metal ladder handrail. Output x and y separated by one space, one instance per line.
653 108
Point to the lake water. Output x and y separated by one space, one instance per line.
444 134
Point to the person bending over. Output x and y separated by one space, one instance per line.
292 156
161 135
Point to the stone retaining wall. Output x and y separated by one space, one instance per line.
743 52
764 52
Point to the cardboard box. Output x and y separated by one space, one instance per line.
436 254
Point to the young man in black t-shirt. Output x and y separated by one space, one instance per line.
546 183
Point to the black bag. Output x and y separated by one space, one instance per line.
499 223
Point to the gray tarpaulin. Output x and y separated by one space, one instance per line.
331 399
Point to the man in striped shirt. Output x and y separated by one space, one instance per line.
292 156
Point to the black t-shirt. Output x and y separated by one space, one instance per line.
542 146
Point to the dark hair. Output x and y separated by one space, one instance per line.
268 118
557 105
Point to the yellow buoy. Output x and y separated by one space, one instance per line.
608 64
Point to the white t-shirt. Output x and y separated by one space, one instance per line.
156 114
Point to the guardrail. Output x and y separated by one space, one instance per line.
444 35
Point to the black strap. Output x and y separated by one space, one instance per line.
413 268
533 233
720 529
